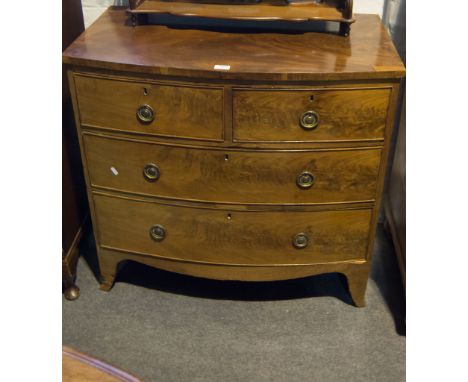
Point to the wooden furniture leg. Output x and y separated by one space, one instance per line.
71 291
345 28
108 270
357 283
74 202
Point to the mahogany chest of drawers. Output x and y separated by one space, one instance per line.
269 168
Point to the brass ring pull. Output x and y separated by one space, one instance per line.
151 172
309 120
158 232
305 180
145 114
300 241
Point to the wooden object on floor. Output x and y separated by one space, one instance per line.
340 11
79 367
74 203
270 170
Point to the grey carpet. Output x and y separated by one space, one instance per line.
164 327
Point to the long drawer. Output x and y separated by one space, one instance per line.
231 237
309 115
154 109
223 175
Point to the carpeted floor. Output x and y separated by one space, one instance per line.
164 327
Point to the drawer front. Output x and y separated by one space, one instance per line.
236 237
275 115
232 176
178 111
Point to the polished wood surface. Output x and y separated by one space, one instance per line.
112 43
80 367
223 237
273 115
180 111
231 208
232 176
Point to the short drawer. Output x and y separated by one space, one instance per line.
231 237
147 108
309 115
247 177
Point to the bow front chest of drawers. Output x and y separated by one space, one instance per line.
235 156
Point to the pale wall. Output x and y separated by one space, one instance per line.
93 8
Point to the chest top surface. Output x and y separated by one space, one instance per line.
112 43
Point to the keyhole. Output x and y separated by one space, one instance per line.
145 91
311 98
226 157
229 216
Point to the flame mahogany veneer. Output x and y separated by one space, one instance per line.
234 156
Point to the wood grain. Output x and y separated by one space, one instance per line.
225 194
112 43
222 237
273 115
232 176
180 111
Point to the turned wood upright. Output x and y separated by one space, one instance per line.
235 156
74 203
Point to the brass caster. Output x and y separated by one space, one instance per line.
72 293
